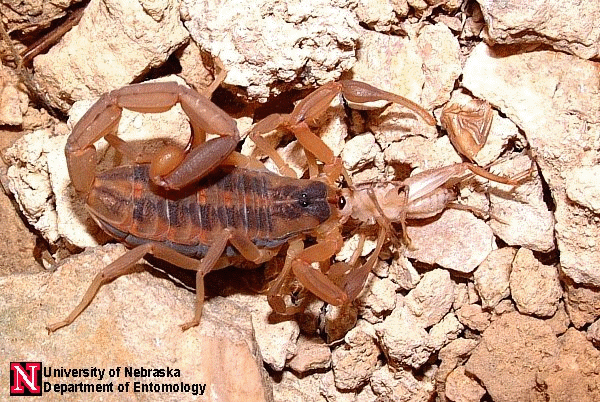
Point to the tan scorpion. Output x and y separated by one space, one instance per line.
207 207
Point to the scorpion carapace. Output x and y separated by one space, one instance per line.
267 208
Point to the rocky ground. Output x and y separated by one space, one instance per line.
502 305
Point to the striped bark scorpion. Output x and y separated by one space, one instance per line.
206 207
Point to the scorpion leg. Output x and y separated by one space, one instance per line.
126 264
298 260
318 283
314 106
274 295
353 280
241 242
172 168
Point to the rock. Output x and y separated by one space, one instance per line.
521 217
453 354
445 331
32 15
473 316
535 287
106 50
402 272
29 181
504 307
268 47
377 15
298 389
401 385
432 299
461 295
456 240
277 341
560 321
13 98
561 140
462 388
404 77
582 303
441 56
311 354
570 27
583 187
378 298
17 243
593 333
575 375
422 153
331 393
491 278
359 151
355 360
132 322
512 351
403 338
193 70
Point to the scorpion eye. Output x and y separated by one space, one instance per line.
303 200
341 202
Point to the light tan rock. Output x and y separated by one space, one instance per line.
401 385
456 240
403 338
440 51
311 354
379 297
359 151
432 298
264 45
583 187
582 303
106 50
354 361
445 331
473 316
377 15
568 26
13 98
132 322
520 215
404 77
575 375
462 388
535 287
512 351
292 388
491 278
561 140
33 15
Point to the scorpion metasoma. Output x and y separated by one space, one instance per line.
206 207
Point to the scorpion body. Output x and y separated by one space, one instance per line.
267 208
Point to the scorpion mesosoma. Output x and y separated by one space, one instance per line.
206 207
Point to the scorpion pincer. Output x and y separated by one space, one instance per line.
206 206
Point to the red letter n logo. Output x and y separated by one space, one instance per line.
25 378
